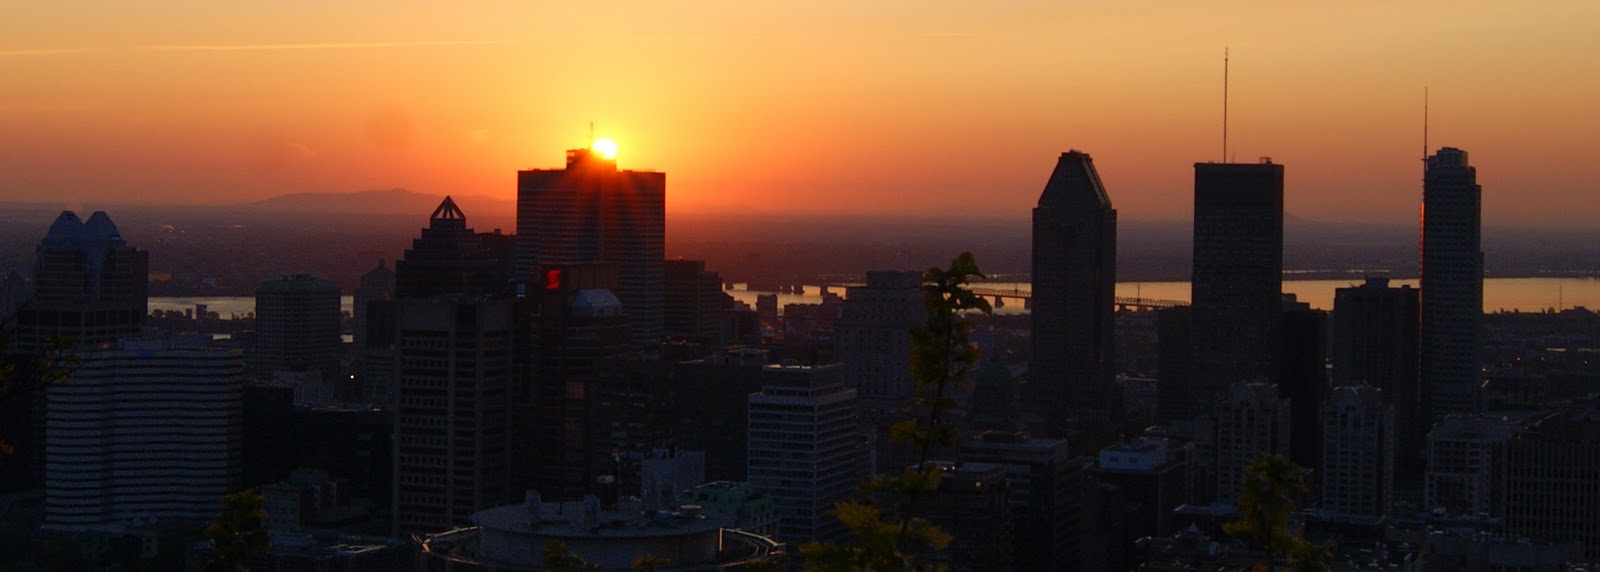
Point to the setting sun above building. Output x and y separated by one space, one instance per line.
605 147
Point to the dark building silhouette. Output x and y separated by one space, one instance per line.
1553 480
1237 274
448 258
872 338
1175 391
89 287
1452 284
1046 484
580 333
694 307
973 505
1074 290
714 408
454 372
377 285
354 444
593 212
268 411
1373 338
1357 465
1151 475
297 327
1302 376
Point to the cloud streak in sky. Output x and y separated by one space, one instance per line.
317 46
42 52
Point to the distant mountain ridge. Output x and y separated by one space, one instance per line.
381 201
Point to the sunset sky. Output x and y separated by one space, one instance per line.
803 106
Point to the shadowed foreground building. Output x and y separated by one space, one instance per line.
1074 291
143 431
804 451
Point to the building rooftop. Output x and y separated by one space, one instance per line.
631 519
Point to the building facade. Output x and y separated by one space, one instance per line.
297 327
1358 454
804 449
1237 275
593 212
1074 291
143 431
1452 285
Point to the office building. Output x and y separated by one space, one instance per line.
590 212
448 258
1467 465
972 505
713 408
804 450
1046 484
1237 274
1373 339
89 287
1250 421
872 338
1175 391
377 285
452 423
1358 454
580 335
1553 480
694 307
1452 285
1074 291
141 432
297 327
1152 474
1302 376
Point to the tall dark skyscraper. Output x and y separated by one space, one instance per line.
1237 275
90 287
1373 336
1452 284
592 212
448 258
1074 283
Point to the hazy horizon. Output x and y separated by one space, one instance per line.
823 108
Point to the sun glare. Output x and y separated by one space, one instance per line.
605 147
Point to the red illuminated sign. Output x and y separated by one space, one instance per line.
552 279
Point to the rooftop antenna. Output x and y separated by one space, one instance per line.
591 132
1424 123
1224 104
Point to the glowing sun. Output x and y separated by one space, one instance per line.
605 147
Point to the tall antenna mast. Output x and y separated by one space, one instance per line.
591 132
1424 123
1224 104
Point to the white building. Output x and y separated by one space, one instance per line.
803 447
142 432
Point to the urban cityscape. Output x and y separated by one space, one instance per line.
570 368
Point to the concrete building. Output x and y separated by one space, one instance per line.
1553 480
448 257
1467 465
714 408
297 327
1237 275
143 431
1046 486
973 505
1452 285
452 419
1302 376
1373 337
872 338
1358 454
750 510
593 212
1152 474
1250 421
804 449
1074 290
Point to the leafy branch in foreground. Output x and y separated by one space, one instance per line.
1271 485
942 357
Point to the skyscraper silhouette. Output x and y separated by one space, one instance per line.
1237 275
1452 284
448 258
90 287
1074 283
592 212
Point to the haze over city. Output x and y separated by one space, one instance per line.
827 107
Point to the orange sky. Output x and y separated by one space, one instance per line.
815 106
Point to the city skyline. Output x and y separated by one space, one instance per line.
834 108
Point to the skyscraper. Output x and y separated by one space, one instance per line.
1452 284
1074 291
143 431
297 327
1237 275
89 287
695 308
593 212
872 339
452 419
448 258
804 451
1373 336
